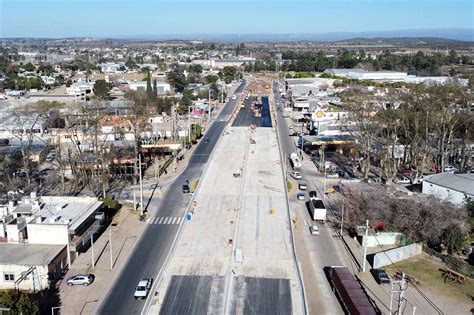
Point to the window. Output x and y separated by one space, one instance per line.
8 276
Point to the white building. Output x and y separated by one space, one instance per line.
31 267
48 80
110 68
52 220
161 87
81 89
392 76
450 187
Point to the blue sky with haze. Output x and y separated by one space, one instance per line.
119 18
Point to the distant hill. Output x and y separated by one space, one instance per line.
406 42
460 34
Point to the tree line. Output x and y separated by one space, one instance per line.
419 63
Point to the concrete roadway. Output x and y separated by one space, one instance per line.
152 249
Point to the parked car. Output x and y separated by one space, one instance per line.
302 185
143 287
332 175
314 229
313 195
449 168
81 279
234 97
337 188
401 180
296 175
186 189
205 140
380 276
300 196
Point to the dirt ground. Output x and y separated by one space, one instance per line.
451 297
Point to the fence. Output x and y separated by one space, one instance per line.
453 263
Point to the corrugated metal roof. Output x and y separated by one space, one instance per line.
459 182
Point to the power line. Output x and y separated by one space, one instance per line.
414 286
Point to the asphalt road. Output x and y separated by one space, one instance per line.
152 249
245 116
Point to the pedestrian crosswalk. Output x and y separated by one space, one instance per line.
164 220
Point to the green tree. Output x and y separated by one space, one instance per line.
19 302
155 88
102 89
211 79
195 69
131 64
177 79
229 74
453 238
149 89
29 67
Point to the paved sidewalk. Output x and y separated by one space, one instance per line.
85 300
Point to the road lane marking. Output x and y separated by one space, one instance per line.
161 220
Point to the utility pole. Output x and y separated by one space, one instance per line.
209 106
402 293
366 234
342 219
92 248
189 124
111 255
141 183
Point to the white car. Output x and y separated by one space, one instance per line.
302 185
300 196
314 229
296 175
449 168
401 180
82 279
143 287
332 175
234 97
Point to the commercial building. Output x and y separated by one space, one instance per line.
81 89
52 220
161 87
450 187
392 76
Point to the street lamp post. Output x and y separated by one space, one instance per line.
92 251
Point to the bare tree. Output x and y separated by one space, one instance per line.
362 108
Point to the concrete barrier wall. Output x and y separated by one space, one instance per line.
395 255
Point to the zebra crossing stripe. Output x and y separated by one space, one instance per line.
164 220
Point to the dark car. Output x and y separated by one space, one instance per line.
313 194
186 189
380 276
205 140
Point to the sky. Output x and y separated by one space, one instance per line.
123 19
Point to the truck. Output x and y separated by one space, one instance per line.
295 161
318 210
350 293
286 111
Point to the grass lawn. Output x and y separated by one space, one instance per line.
427 272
